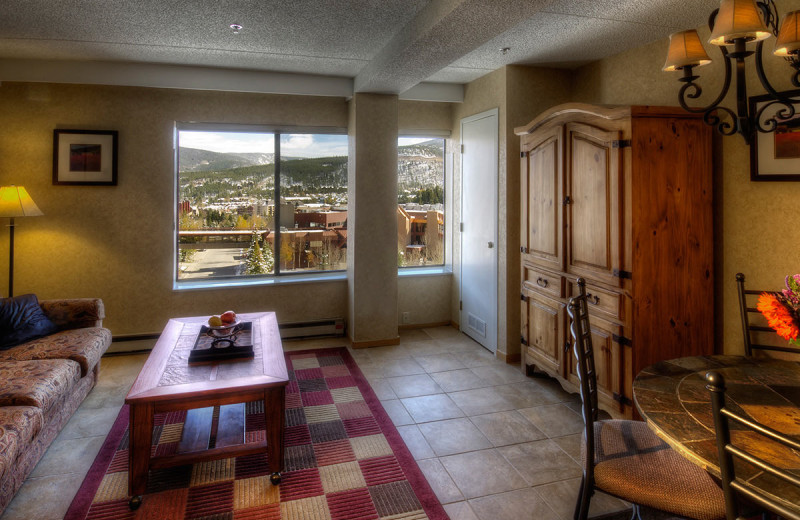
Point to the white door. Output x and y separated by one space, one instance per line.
479 156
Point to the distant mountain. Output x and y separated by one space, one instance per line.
427 149
195 160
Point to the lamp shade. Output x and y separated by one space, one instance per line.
685 50
738 19
789 35
15 202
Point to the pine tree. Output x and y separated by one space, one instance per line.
268 256
254 263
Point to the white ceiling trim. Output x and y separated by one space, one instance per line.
172 76
203 78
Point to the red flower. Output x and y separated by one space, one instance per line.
779 316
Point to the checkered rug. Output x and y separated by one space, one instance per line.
344 459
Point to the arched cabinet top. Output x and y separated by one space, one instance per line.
574 112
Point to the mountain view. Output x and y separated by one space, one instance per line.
207 177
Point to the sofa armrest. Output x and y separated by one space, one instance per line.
75 313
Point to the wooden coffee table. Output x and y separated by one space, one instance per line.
168 383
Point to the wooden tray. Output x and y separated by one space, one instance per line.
209 349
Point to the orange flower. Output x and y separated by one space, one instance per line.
778 316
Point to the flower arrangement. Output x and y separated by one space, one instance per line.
782 310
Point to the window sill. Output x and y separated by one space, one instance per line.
278 280
439 270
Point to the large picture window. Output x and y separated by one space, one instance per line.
420 201
255 204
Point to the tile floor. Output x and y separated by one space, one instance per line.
493 443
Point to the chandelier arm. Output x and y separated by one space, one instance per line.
762 77
697 90
785 113
722 126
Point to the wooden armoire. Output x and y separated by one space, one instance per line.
621 196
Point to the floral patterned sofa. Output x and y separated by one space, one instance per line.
42 383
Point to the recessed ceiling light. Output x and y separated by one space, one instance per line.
505 50
236 28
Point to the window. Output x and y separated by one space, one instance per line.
420 201
232 221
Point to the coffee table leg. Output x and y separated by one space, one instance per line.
274 418
141 439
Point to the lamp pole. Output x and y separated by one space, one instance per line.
11 258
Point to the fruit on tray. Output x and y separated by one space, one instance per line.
228 317
214 321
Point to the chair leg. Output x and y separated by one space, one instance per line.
584 497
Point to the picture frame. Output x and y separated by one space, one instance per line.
85 157
775 156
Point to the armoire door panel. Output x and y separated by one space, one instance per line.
542 199
593 209
545 319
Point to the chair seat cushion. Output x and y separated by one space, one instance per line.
633 464
84 346
37 383
18 426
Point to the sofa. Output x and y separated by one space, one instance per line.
42 383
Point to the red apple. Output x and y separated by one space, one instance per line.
228 317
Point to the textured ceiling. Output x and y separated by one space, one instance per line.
385 45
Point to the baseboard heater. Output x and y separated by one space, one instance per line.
308 329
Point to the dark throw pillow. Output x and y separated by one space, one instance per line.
21 320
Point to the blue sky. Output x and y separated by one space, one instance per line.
292 145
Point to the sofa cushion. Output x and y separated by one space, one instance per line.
18 426
85 346
21 319
37 383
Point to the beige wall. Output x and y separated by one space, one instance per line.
117 242
756 231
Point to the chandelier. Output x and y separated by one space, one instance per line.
735 24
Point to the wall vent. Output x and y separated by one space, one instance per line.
476 324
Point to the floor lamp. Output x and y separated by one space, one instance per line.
15 202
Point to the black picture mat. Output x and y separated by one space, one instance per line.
203 352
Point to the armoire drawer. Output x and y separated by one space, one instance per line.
602 302
543 282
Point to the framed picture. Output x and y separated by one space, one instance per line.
775 156
85 157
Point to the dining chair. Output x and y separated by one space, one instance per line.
624 458
750 319
736 488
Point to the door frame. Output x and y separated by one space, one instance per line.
494 112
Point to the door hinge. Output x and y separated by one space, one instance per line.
620 273
567 200
524 298
460 305
622 399
461 227
522 155
523 341
621 143
622 340
523 249
462 148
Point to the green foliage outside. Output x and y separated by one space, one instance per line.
259 258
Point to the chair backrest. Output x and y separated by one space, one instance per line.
751 317
578 310
735 488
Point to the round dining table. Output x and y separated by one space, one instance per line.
672 398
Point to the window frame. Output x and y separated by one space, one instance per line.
276 276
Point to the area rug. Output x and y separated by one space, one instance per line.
344 459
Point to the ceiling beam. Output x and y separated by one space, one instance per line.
442 32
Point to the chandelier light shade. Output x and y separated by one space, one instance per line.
738 19
733 26
15 202
685 50
789 36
